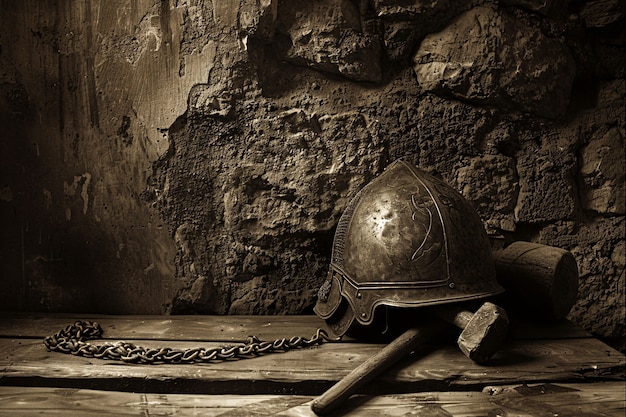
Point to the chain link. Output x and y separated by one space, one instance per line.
73 339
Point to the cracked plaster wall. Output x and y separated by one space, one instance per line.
195 156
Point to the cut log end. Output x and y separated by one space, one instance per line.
540 279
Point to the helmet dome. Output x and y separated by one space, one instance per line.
407 239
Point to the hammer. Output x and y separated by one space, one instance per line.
541 276
536 271
482 332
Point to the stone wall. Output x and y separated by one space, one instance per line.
194 156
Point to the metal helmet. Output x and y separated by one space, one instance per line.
407 239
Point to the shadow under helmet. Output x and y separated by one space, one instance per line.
407 239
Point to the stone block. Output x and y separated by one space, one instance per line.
602 13
602 184
547 188
491 184
487 57
332 37
405 23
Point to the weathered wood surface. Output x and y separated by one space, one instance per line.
25 361
221 328
540 400
203 328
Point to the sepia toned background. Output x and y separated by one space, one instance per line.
194 156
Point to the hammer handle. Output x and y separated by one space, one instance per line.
454 314
374 366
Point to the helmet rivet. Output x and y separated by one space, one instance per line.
363 315
451 285
359 295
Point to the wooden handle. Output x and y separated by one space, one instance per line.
455 314
374 366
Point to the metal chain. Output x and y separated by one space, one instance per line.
73 338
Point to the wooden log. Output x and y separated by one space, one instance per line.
541 281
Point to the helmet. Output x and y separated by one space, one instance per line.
407 239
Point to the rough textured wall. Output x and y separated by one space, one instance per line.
88 90
249 125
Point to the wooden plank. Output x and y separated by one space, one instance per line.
203 328
540 400
310 370
16 401
561 329
222 328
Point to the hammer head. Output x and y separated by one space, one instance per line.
484 333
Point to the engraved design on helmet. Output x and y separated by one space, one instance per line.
395 236
407 239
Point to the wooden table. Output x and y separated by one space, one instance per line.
547 370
